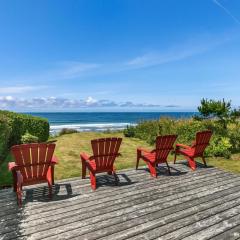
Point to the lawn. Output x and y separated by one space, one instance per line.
69 147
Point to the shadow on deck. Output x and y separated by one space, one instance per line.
202 204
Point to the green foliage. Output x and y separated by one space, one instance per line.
129 131
21 123
220 146
67 131
5 131
111 131
14 125
220 110
186 130
149 130
223 143
212 108
233 134
29 138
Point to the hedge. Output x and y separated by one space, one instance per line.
223 143
14 125
5 132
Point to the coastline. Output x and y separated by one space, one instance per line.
102 121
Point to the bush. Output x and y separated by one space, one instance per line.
29 138
234 136
67 131
21 123
223 143
13 126
185 129
148 131
219 147
5 131
129 131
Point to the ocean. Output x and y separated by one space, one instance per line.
102 121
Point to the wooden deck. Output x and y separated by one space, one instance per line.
204 204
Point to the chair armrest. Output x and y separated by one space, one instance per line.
182 146
85 157
12 166
54 160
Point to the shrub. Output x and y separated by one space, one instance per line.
129 131
5 131
219 147
29 138
221 110
223 143
13 126
234 135
147 130
21 123
67 131
185 129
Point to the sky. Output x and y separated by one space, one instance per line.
118 55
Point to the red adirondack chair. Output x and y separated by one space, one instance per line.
34 163
195 150
105 151
164 144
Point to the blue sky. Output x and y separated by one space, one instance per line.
147 55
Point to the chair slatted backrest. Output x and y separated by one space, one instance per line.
105 151
164 144
201 142
33 160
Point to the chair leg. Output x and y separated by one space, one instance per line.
204 161
169 172
52 174
152 170
93 181
175 157
138 158
83 170
14 173
192 163
19 195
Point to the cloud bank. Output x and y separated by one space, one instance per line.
52 103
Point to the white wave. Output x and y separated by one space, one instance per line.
87 127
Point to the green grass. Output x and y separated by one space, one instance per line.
69 147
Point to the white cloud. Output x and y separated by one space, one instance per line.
226 11
20 89
176 53
90 101
9 102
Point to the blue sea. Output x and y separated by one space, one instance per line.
102 121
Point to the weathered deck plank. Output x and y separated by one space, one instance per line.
103 212
187 205
233 233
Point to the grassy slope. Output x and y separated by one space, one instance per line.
68 154
69 147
